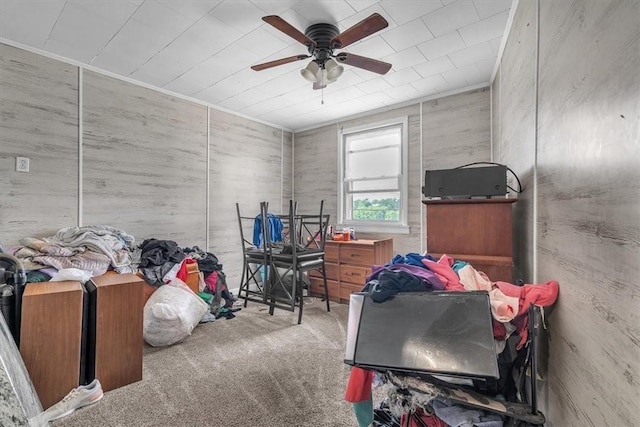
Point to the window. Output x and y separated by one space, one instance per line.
373 177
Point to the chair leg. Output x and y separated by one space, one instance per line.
326 287
298 285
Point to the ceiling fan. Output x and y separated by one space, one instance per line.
321 40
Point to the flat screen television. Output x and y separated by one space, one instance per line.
445 333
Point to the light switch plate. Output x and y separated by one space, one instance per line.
22 164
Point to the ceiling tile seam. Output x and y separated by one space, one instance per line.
169 44
55 23
115 34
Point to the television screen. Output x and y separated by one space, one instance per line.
447 333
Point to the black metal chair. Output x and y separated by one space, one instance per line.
290 262
255 260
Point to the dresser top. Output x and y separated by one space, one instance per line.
467 201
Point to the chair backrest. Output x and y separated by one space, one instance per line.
312 229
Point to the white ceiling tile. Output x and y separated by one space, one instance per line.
404 59
402 77
495 45
374 85
77 50
204 49
29 22
194 9
87 27
153 76
404 11
484 30
442 45
407 35
274 7
452 17
373 46
262 43
359 5
487 65
476 76
430 85
161 19
436 66
469 55
487 8
402 93
329 12
458 76
243 16
129 49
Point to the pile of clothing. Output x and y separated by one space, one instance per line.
94 248
509 308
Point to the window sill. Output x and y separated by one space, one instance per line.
375 228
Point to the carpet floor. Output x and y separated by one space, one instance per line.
253 370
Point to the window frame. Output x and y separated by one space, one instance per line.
396 227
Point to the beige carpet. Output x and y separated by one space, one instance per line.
254 370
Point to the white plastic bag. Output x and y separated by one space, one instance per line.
171 313
71 274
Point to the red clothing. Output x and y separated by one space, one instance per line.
541 295
428 420
182 273
445 273
359 385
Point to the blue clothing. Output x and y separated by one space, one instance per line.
425 274
457 265
411 258
275 229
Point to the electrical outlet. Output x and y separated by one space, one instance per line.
22 164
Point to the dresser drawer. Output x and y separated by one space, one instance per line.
353 274
331 252
356 254
331 269
317 288
346 290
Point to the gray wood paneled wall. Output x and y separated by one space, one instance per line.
246 173
443 133
144 164
39 120
141 162
586 162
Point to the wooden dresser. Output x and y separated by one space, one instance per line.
347 266
478 231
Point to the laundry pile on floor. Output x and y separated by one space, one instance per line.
509 305
79 253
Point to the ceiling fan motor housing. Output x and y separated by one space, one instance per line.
322 34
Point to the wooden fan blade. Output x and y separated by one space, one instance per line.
362 29
277 62
288 29
363 62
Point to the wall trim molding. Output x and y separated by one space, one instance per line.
133 81
505 38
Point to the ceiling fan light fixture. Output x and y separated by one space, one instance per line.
333 70
310 72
